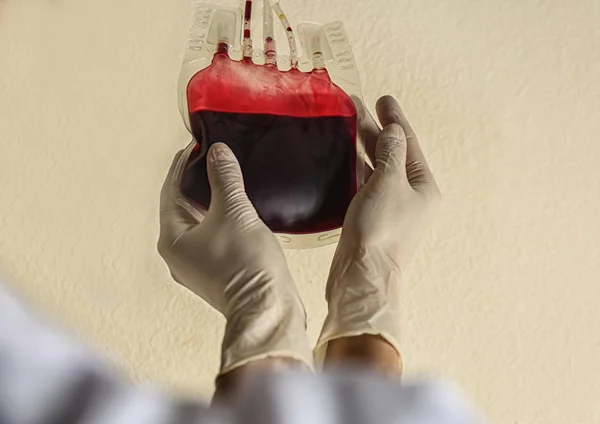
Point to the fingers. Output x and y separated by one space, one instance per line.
390 155
174 220
368 172
228 195
371 132
388 112
369 128
418 171
165 193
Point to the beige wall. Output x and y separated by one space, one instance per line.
505 96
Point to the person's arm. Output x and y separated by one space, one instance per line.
46 377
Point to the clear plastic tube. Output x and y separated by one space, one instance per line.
289 32
223 37
269 34
316 50
247 41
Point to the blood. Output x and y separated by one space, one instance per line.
248 10
293 133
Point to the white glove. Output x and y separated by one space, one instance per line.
233 261
383 228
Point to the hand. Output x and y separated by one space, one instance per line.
393 209
384 226
233 261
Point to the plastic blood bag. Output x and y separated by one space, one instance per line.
291 122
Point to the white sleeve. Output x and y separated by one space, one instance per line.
353 397
47 378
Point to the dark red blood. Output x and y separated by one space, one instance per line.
246 33
288 29
222 47
293 133
248 10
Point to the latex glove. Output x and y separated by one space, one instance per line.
383 228
233 261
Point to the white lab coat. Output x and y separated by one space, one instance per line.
48 378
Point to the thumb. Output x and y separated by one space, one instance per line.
228 195
390 152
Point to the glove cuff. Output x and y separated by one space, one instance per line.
386 327
276 328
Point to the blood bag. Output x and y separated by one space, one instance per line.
290 120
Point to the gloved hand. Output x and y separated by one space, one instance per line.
382 230
233 261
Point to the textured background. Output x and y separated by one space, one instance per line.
505 96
